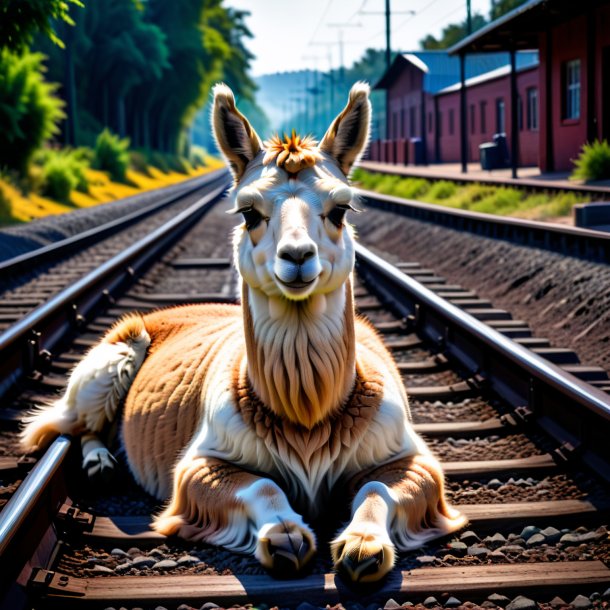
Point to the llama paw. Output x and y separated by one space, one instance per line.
285 547
364 553
100 465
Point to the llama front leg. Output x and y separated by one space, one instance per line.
221 504
399 506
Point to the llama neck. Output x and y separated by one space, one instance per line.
301 355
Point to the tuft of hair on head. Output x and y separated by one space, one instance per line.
236 138
348 135
293 153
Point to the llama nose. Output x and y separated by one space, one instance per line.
297 253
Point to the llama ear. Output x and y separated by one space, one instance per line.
236 138
348 134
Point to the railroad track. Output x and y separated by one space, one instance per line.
523 442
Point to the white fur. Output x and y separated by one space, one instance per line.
95 388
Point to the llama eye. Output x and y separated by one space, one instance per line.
336 216
252 218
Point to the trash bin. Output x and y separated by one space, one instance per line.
488 153
503 155
416 151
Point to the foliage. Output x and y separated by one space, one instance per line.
443 189
62 172
143 69
452 34
20 20
111 155
29 109
501 7
197 157
593 163
473 196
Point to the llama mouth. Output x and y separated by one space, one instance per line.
298 285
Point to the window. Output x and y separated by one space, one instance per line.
412 121
483 113
451 121
472 125
532 109
500 116
571 102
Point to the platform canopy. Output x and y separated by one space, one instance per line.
520 29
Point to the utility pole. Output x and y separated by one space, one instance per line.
388 35
340 27
468 17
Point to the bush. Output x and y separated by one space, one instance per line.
412 188
139 162
593 163
63 172
441 190
197 157
29 110
111 155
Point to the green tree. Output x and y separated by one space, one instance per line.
20 20
452 34
29 109
501 7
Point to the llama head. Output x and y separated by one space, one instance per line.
293 195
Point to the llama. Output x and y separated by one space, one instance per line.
245 418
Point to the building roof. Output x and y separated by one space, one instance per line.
442 70
520 28
493 74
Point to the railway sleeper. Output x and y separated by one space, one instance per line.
56 590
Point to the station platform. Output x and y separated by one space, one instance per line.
527 176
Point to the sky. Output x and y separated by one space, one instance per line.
293 35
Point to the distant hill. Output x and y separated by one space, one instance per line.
281 95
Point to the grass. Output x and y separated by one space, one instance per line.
18 207
503 201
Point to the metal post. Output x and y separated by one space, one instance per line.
388 34
548 102
463 126
514 114
468 17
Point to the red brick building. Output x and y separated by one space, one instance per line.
558 107
574 43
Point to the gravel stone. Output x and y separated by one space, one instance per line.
208 606
529 531
101 570
469 537
140 562
522 603
478 551
497 556
165 564
551 534
188 560
580 601
458 548
606 594
426 559
390 604
536 540
119 553
430 602
123 567
498 600
495 541
557 602
453 602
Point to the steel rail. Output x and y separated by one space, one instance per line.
30 510
575 241
52 251
518 374
21 344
